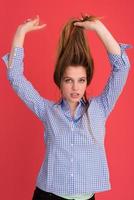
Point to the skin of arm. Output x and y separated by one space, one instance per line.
119 65
103 33
108 40
22 30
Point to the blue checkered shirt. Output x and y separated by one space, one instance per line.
75 161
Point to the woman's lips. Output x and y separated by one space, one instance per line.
75 95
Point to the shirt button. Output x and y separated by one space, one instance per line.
71 144
72 127
71 159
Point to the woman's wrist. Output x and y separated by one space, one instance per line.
19 38
99 26
107 38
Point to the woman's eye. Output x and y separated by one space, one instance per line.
68 80
82 80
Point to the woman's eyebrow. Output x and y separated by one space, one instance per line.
66 77
83 77
72 78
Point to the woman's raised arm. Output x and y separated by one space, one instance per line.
15 68
119 63
18 40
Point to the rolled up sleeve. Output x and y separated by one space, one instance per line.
120 66
120 61
24 88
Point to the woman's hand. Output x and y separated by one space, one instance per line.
30 25
18 40
92 24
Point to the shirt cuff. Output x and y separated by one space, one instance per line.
16 66
122 60
17 54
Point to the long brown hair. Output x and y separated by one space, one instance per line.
73 49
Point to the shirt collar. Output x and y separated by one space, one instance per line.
64 101
66 108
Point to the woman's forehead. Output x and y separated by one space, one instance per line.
75 71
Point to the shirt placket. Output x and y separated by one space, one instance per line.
72 150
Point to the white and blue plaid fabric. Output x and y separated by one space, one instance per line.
75 161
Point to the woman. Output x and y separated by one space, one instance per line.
75 166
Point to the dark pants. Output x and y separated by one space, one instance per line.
42 195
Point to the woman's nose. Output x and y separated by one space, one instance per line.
75 86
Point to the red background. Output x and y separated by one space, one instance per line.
21 133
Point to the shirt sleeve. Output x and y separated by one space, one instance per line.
22 86
120 66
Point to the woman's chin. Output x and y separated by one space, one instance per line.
74 100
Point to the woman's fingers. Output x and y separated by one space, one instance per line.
33 24
37 23
36 20
78 24
27 20
40 26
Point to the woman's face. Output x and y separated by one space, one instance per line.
73 83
